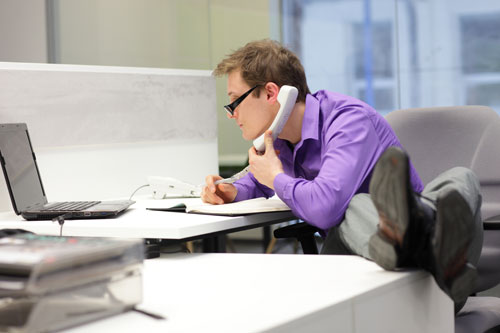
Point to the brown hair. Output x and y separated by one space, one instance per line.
265 61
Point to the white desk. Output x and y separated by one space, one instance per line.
282 293
137 222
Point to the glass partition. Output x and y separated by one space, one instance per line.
399 53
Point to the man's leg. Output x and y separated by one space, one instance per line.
466 183
352 236
413 234
361 218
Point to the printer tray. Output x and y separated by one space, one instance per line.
70 307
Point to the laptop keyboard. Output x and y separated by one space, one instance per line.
71 206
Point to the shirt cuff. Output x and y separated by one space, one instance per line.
282 184
241 194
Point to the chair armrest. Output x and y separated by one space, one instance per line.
492 223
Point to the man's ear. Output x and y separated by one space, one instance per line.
272 91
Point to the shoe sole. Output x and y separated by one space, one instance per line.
463 284
383 251
388 191
453 234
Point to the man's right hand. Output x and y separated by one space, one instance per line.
217 194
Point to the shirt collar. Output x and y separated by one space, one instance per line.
310 122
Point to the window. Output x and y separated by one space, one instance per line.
399 53
373 64
379 50
480 53
345 46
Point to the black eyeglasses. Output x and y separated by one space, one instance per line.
230 107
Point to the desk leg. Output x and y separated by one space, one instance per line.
151 248
266 237
214 244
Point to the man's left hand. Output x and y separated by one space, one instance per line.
267 166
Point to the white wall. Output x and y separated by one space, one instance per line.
98 131
194 34
233 24
23 31
153 33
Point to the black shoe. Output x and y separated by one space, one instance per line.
410 235
390 191
454 231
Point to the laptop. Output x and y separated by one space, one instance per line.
25 184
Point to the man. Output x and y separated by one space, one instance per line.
331 152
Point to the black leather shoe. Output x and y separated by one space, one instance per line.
391 192
411 235
453 234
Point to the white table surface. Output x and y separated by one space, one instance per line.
282 293
137 222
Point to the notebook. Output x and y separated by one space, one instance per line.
25 186
245 207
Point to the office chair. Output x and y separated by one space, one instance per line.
301 231
438 139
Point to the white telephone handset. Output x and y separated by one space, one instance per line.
286 98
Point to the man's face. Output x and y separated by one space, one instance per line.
254 114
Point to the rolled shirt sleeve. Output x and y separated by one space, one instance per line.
248 188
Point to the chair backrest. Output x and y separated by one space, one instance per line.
440 138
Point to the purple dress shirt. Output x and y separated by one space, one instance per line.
342 139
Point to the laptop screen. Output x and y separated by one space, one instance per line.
19 167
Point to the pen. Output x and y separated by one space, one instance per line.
233 178
225 181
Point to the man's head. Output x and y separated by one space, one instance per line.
265 61
266 65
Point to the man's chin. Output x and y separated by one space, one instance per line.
248 137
